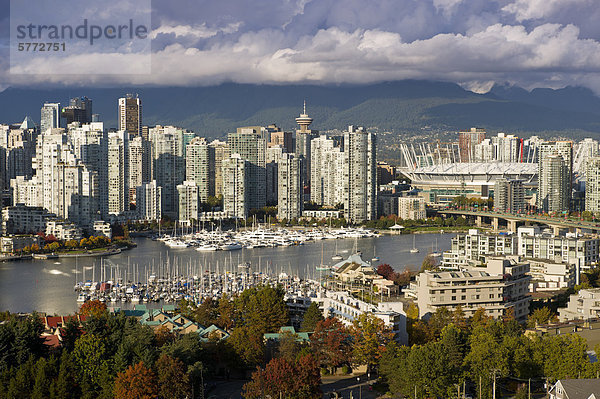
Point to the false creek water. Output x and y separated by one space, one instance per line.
47 285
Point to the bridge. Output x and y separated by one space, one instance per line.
512 220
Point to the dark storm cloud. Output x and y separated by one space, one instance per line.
548 43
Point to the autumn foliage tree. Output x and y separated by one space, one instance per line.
173 382
137 382
369 339
93 308
281 378
331 343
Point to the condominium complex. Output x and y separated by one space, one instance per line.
412 208
467 140
581 251
50 117
118 172
149 197
327 171
249 143
509 196
200 167
499 286
592 185
555 172
290 187
474 247
583 305
235 186
187 196
360 175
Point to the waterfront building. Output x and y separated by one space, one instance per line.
360 175
102 228
187 194
250 144
499 286
467 140
327 171
290 187
11 244
200 167
274 155
555 173
149 197
118 172
138 165
23 219
50 117
580 251
509 196
235 186
582 305
474 247
411 208
592 185
63 231
130 114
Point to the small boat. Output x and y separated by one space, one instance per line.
375 258
207 248
337 257
81 298
414 249
323 268
435 253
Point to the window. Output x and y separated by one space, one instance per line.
454 297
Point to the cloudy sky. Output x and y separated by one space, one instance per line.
530 43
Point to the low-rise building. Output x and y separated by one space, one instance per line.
11 244
22 219
583 305
322 214
583 388
63 230
346 308
473 247
102 228
581 251
498 287
551 276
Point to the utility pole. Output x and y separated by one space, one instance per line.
480 397
494 386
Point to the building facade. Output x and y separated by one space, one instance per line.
360 175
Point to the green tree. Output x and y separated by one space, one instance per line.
66 386
312 316
89 355
541 315
247 342
263 308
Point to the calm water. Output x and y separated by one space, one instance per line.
47 285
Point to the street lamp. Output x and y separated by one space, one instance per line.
359 387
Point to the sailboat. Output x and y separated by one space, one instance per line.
337 256
435 253
414 249
375 258
322 267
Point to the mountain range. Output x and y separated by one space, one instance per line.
401 107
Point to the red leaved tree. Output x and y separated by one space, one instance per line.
331 343
92 308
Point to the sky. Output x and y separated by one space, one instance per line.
475 43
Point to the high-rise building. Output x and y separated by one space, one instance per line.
555 172
79 110
467 140
235 186
592 185
118 172
50 117
250 144
222 152
75 193
168 166
148 204
290 187
360 175
509 196
278 137
411 208
138 165
187 196
304 136
130 115
200 167
327 171
274 155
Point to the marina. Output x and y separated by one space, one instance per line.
46 286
